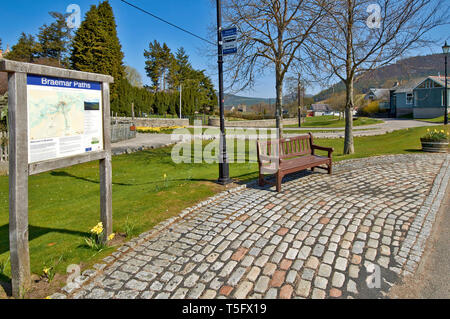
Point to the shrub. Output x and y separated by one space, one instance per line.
372 108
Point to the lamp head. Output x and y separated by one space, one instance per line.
446 48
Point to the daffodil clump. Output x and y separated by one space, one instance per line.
96 241
98 229
436 136
157 130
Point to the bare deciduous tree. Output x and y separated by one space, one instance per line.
270 34
361 35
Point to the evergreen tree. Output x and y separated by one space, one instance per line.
159 61
153 63
96 46
26 49
55 39
181 69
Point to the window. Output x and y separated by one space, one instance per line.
409 98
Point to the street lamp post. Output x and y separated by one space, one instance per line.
446 49
224 169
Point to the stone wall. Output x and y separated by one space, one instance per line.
252 124
122 132
149 122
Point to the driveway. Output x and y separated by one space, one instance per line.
350 235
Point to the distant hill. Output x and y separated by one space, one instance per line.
385 77
235 100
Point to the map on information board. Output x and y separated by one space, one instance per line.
64 118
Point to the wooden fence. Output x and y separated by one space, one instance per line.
4 146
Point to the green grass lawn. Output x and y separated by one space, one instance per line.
64 204
435 120
334 122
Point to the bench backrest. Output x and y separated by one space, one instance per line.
295 146
287 147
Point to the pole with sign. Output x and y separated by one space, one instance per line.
224 168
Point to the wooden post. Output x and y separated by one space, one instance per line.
106 168
18 184
132 111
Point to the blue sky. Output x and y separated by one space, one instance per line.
137 29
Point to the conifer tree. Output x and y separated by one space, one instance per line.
96 46
26 49
55 39
159 62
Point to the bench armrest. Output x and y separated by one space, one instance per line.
267 158
326 149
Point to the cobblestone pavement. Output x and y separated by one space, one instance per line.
322 237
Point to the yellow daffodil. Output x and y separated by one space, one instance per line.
165 176
46 271
48 297
111 237
97 230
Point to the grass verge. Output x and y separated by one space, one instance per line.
334 122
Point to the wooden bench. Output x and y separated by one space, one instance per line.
291 155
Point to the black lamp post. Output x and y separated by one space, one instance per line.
224 168
446 49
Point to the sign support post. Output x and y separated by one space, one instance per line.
18 184
21 167
106 167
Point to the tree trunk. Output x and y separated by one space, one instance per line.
279 102
349 147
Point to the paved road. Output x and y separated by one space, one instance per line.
321 237
142 141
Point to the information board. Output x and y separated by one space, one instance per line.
64 118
